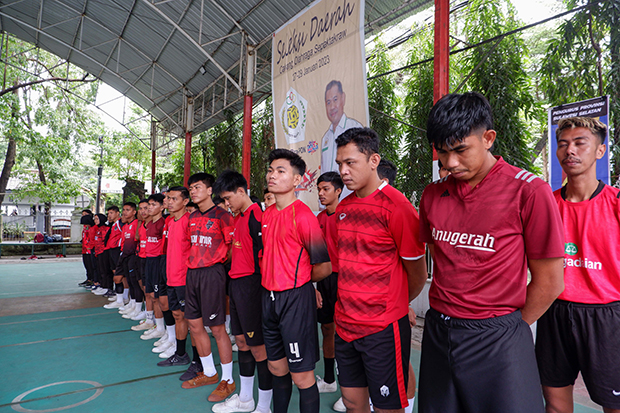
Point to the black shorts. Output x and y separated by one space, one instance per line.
289 327
142 269
126 265
205 295
176 298
163 279
478 365
153 277
328 287
245 308
379 361
574 337
114 255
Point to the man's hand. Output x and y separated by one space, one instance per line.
546 284
319 299
412 320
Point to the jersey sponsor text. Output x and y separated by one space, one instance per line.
464 240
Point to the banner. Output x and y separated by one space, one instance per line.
319 85
592 108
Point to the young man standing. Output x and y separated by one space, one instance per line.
580 331
330 187
294 253
139 314
485 224
381 269
245 293
112 250
210 230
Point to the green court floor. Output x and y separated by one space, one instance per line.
61 351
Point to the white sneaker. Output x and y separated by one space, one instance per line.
140 316
100 291
132 313
326 387
168 353
162 348
152 334
114 304
144 325
126 308
162 340
339 406
96 288
233 404
112 298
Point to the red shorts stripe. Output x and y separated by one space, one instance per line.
402 390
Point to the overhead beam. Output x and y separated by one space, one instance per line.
216 4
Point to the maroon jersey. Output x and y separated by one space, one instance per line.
375 234
142 241
177 249
592 257
128 240
247 243
483 237
99 240
85 239
166 226
292 244
115 236
155 238
328 226
210 235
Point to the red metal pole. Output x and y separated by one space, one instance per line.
153 155
442 49
188 157
247 136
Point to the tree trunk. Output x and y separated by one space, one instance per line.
48 205
11 152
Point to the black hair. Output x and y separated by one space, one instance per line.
113 208
295 160
439 164
87 220
102 219
203 177
266 191
387 169
88 211
333 178
255 199
159 198
229 181
191 205
143 201
217 200
130 204
181 189
366 140
455 116
332 84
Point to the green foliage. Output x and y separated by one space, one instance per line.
263 142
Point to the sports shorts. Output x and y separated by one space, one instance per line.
246 308
153 277
572 338
114 255
142 269
478 365
379 361
205 295
328 287
176 298
289 327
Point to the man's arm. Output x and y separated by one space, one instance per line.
546 284
416 276
321 271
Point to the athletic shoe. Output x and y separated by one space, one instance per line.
134 312
110 294
126 308
100 291
191 372
144 325
339 406
200 380
234 404
162 340
169 352
152 334
175 360
326 387
140 316
162 347
85 283
222 391
95 288
114 304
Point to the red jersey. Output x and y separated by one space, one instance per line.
128 239
102 231
247 243
155 238
292 244
166 226
85 242
592 258
210 235
177 249
374 234
92 232
142 242
115 237
483 237
328 226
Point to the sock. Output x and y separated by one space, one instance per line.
329 370
409 409
132 303
227 322
265 378
138 306
227 372
118 288
246 392
172 335
309 400
149 316
247 365
125 294
159 322
282 390
181 347
264 400
196 356
119 298
168 317
207 365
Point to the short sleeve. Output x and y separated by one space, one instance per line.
312 238
228 227
542 225
405 228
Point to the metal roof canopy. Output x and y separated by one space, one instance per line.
158 53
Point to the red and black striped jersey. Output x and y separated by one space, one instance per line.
210 237
128 240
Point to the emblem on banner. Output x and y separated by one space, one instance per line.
293 116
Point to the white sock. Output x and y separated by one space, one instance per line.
207 365
264 400
125 293
119 298
227 322
138 307
246 392
149 316
159 322
172 335
132 303
227 372
409 408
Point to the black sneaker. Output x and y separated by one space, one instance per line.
86 283
192 371
109 294
175 360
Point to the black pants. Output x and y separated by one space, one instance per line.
87 260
